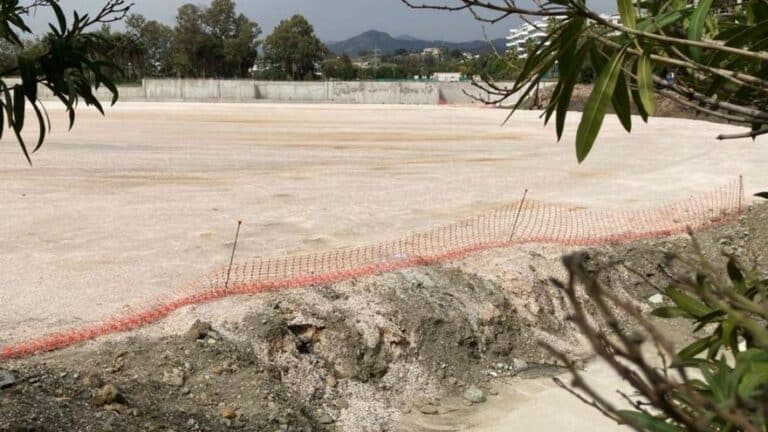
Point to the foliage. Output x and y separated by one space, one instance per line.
213 41
154 41
719 382
69 61
707 56
340 68
494 67
293 49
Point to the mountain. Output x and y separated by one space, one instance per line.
373 39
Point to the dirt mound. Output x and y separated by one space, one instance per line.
352 356
581 92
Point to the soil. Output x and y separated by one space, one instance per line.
356 356
664 106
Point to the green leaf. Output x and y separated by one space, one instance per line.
654 22
622 102
627 13
696 25
41 125
19 104
645 83
688 303
2 119
28 72
639 105
643 421
596 106
730 337
670 312
570 71
736 276
59 16
694 349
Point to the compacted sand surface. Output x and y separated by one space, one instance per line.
131 206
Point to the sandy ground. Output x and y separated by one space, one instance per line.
532 405
128 207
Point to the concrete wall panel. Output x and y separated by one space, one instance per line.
349 92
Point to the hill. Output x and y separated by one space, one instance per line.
373 39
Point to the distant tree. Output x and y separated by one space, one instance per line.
340 68
294 49
456 54
401 52
70 60
157 40
125 50
214 41
242 49
188 41
8 54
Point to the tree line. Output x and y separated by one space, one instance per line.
206 42
219 42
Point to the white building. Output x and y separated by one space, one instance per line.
446 76
520 38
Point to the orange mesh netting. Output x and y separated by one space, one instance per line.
517 223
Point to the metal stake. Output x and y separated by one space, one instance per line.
517 217
232 258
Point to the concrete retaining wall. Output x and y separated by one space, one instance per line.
346 92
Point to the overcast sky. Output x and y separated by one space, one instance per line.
333 19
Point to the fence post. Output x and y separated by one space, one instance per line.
741 193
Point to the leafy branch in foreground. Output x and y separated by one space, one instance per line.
719 382
72 65
706 55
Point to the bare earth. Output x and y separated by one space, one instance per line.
128 207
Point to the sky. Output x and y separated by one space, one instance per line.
334 20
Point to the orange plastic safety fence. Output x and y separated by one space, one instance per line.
517 223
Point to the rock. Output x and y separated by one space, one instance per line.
656 299
7 379
92 381
116 408
519 365
421 401
228 413
474 394
325 419
201 330
493 392
173 378
108 395
442 410
331 382
429 410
